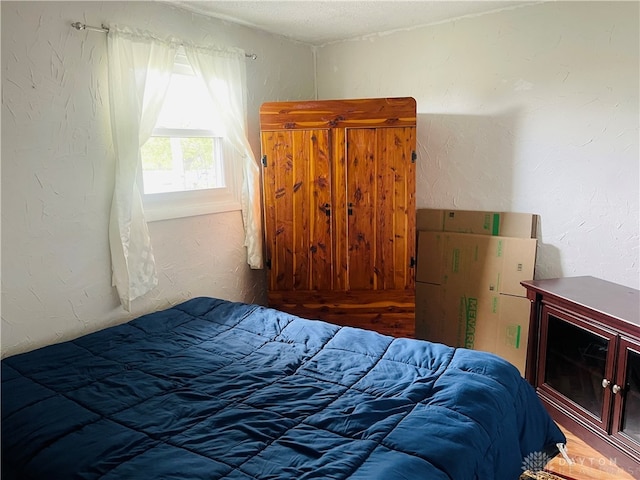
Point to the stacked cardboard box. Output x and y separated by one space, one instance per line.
468 292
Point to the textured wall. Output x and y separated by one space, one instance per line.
533 109
58 162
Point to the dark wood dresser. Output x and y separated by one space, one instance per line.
583 358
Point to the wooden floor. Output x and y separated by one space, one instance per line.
588 463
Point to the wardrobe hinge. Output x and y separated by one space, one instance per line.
264 160
412 264
267 262
414 156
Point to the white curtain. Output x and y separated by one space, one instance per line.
140 68
223 71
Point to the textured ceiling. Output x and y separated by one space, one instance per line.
321 22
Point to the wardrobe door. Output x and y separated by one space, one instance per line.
380 191
396 207
361 172
297 200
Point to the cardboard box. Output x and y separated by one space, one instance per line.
431 316
492 264
513 330
464 221
495 323
429 219
430 254
505 224
523 225
468 291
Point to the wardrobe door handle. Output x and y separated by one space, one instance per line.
616 389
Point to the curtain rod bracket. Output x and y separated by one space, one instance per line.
82 26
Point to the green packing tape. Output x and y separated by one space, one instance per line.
496 225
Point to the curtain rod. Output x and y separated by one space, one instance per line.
105 29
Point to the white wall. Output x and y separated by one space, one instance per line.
58 170
533 109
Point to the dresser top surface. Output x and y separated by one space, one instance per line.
610 299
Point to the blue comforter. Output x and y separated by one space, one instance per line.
214 389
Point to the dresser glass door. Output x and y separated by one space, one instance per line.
629 392
576 365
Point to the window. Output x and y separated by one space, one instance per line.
186 164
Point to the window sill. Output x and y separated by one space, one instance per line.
167 207
154 215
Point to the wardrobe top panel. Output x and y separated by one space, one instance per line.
363 112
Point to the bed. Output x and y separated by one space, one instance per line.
212 389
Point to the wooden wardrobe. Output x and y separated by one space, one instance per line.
339 203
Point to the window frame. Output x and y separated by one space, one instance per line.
188 203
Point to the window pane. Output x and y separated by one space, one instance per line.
187 104
173 164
